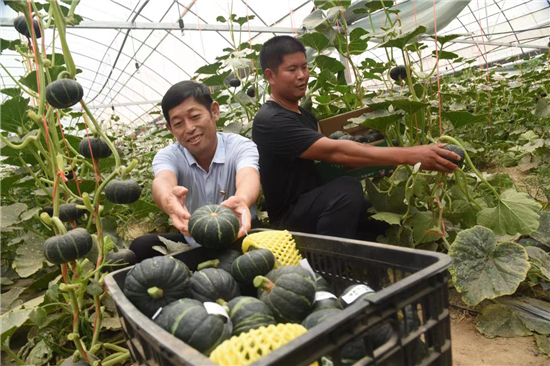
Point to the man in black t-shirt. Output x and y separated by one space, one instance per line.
289 142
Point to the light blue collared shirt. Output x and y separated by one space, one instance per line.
233 153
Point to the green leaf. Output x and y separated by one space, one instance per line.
29 257
358 41
540 259
94 288
9 297
30 213
12 320
221 19
532 312
500 321
409 106
173 246
12 92
483 269
10 214
446 38
209 69
329 63
462 118
401 41
315 40
38 316
445 55
398 235
112 323
379 120
542 110
40 354
421 223
13 113
389 217
515 213
543 232
314 19
216 79
383 202
543 342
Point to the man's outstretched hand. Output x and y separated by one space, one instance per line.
179 214
239 206
432 157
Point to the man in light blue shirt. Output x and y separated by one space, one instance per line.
202 167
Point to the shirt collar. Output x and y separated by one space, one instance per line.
219 155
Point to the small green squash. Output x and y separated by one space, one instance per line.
64 93
249 265
227 257
248 313
156 282
398 73
325 302
188 320
215 285
20 25
288 291
322 284
214 226
67 212
100 149
68 247
122 191
318 317
121 259
457 150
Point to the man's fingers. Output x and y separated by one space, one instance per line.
445 165
449 154
179 191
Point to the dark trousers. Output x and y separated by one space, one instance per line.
337 208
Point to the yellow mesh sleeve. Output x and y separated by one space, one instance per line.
280 243
248 347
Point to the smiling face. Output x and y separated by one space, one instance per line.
194 127
289 82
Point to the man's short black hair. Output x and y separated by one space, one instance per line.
183 90
273 51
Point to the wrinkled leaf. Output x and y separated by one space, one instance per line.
409 106
423 224
542 109
111 323
500 321
173 246
40 354
329 63
30 213
461 118
542 234
543 343
10 214
317 41
383 202
9 297
314 19
30 255
12 320
515 213
38 316
540 259
483 269
94 288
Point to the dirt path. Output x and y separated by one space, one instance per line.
470 348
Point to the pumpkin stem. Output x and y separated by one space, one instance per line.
155 292
213 263
263 283
223 304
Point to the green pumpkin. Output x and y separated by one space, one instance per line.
248 313
64 93
457 150
288 291
249 265
214 226
122 191
121 259
100 149
20 25
323 285
156 282
325 302
67 212
227 257
215 285
362 291
68 247
188 320
318 317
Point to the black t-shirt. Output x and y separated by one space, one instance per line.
282 136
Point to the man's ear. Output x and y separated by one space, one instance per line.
168 127
215 110
269 76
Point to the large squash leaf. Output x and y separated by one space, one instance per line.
499 320
483 269
543 232
515 213
10 214
29 257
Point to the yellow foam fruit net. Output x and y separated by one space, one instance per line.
279 242
249 347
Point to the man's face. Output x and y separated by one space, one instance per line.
194 126
290 79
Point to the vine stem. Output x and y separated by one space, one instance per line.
30 92
472 166
62 27
13 355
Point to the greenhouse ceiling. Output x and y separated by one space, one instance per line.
130 52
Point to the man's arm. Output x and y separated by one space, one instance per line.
171 199
247 193
355 155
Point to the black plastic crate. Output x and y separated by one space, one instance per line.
402 278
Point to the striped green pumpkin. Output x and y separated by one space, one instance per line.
68 247
188 320
122 191
249 313
249 265
318 317
214 226
288 291
64 93
100 149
